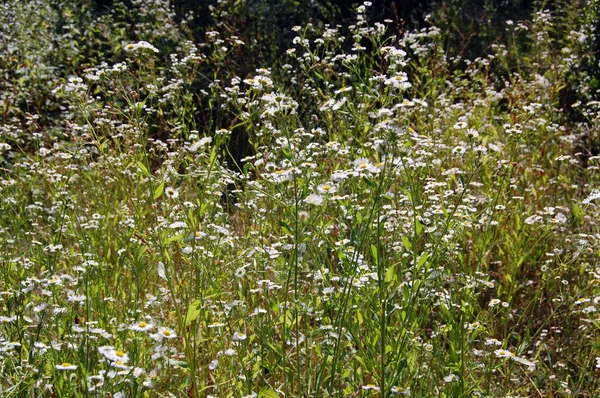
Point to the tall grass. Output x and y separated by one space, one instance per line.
401 222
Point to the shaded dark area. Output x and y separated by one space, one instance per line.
469 28
470 25
103 6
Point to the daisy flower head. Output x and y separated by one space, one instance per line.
113 354
66 366
472 133
400 81
339 176
400 390
501 353
167 333
171 193
473 326
450 378
95 382
140 46
371 387
326 188
313 199
494 302
282 175
493 342
239 336
364 165
164 333
240 272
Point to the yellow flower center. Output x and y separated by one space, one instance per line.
66 364
166 333
119 353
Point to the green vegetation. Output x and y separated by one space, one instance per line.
374 211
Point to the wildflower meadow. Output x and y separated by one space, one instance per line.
299 199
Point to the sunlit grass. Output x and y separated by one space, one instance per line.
397 227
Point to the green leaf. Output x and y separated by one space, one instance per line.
192 312
390 274
174 238
286 229
419 227
159 190
577 212
422 259
143 168
360 360
359 317
375 254
406 243
267 392
213 156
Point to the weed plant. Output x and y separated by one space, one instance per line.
403 222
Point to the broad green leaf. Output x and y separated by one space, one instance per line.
390 274
422 259
267 392
359 317
175 238
419 227
143 168
286 229
159 190
192 312
406 243
375 254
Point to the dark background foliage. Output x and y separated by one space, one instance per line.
469 26
97 29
